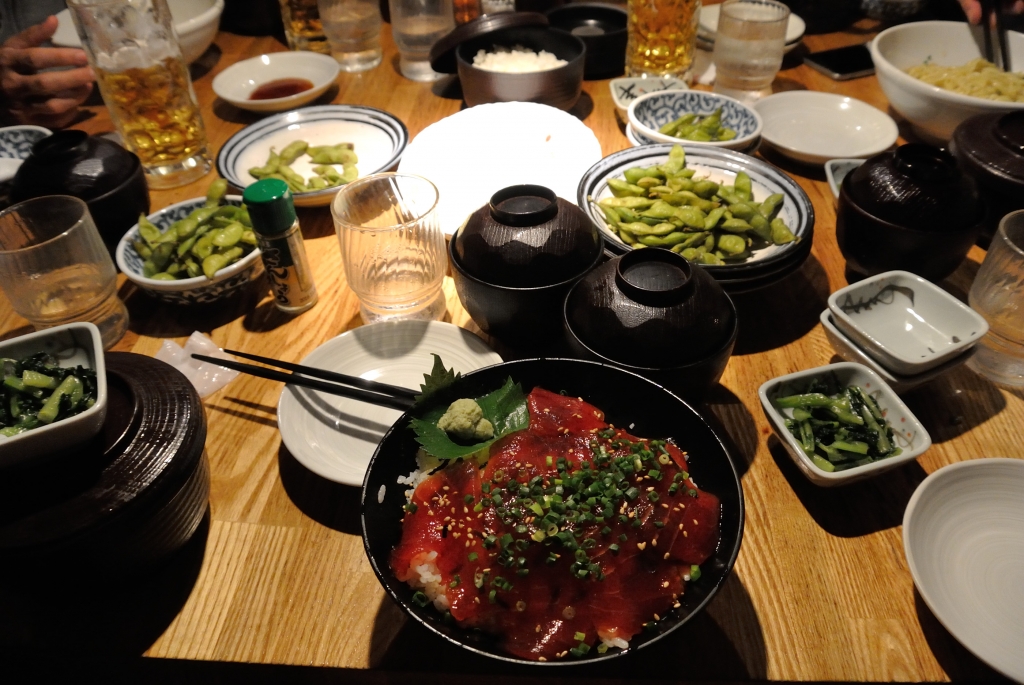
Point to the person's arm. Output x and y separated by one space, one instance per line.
972 8
48 98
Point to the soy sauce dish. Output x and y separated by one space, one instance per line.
247 84
631 403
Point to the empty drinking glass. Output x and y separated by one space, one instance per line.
392 246
55 269
749 44
416 25
352 28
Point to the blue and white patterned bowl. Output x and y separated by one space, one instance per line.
201 290
16 145
650 112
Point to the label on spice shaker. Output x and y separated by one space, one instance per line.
290 281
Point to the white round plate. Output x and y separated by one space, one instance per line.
963 534
814 127
795 27
379 139
236 83
474 153
335 437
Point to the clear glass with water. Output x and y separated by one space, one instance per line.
749 44
392 246
55 269
352 28
416 25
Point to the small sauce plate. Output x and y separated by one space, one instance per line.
237 83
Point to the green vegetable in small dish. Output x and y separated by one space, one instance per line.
838 428
700 129
36 392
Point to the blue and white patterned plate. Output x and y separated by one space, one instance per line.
720 166
201 290
379 139
16 145
650 112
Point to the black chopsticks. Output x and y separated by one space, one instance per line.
356 388
992 23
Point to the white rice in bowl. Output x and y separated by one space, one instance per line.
516 60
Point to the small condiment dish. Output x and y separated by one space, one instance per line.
629 88
16 145
73 344
649 112
237 83
814 127
851 352
836 170
909 434
908 324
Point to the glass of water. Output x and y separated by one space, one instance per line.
352 28
55 269
416 25
392 246
749 44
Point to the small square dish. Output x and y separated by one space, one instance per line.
907 432
629 88
73 344
905 322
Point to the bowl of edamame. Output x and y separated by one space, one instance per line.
193 252
693 117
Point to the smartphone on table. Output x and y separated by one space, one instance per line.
842 64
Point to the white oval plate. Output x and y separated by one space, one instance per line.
236 83
963 534
474 153
335 437
814 127
378 136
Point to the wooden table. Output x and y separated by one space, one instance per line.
277 575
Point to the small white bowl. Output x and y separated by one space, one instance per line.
935 112
905 322
836 170
236 83
201 290
900 384
73 344
814 127
908 432
649 112
628 88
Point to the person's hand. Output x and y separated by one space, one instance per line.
49 98
972 8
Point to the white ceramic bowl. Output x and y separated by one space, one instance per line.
963 534
813 127
73 344
195 21
900 384
933 111
905 322
201 290
908 432
628 88
236 83
649 112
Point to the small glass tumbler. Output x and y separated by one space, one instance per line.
55 269
662 38
416 25
749 44
998 295
352 28
392 246
145 84
302 26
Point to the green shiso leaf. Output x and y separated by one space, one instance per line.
438 379
505 408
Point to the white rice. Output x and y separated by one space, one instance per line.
380 494
517 60
428 579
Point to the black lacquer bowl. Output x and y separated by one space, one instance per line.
627 399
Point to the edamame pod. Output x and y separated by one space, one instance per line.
293 151
149 232
781 233
630 202
743 186
771 205
228 236
691 216
731 244
215 192
663 241
641 229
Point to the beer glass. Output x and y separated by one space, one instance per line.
662 38
145 84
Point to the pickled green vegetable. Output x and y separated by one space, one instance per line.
37 391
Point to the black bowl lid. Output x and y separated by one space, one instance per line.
992 146
523 205
442 55
589 19
73 163
656 278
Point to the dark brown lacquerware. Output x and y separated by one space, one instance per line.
990 148
559 87
516 258
130 497
911 209
108 177
653 313
602 28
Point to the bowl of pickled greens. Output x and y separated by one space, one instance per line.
696 118
193 252
54 391
841 423
725 210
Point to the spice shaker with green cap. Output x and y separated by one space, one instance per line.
284 256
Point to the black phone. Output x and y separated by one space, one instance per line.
842 64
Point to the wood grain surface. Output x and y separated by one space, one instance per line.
277 574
